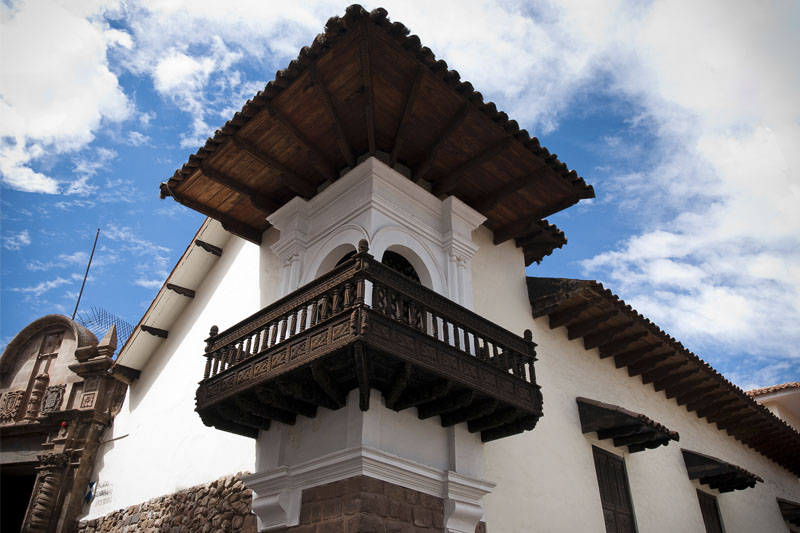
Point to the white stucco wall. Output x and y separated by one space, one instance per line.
162 444
546 478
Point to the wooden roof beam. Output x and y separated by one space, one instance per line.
516 228
341 138
294 181
704 400
649 362
420 395
183 291
210 248
614 347
455 121
258 200
471 412
649 376
398 384
321 162
228 222
451 180
594 340
402 129
564 317
366 75
632 356
155 332
679 383
696 393
669 380
711 408
587 326
488 201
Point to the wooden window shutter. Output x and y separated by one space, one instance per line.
614 492
710 510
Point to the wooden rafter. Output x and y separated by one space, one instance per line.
183 291
601 337
341 137
450 181
442 139
518 227
258 200
566 316
229 223
587 326
488 201
402 129
628 357
618 345
322 163
644 363
366 74
294 181
661 371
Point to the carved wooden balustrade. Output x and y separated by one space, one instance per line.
363 325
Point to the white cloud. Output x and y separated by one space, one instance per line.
36 291
136 138
718 259
16 241
56 87
155 259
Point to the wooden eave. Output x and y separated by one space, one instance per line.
618 331
366 87
790 511
718 474
636 431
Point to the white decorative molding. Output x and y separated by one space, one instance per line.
277 491
394 213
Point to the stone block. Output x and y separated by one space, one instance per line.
351 503
377 504
395 526
331 526
331 508
310 512
431 502
422 517
364 523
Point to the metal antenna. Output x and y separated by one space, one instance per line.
86 274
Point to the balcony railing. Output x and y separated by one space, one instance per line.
363 325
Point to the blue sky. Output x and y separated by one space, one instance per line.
684 116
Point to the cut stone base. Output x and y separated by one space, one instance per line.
363 504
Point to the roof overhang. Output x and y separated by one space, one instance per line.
365 87
176 293
634 430
718 474
602 320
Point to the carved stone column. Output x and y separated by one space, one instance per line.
46 493
35 400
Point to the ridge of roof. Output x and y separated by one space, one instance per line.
726 404
773 388
335 28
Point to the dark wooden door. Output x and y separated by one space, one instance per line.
708 506
614 493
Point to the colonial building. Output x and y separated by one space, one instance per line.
56 400
371 355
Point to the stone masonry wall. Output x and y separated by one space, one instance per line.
366 505
222 505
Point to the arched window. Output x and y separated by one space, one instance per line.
399 264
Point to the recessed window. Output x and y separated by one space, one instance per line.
614 492
710 510
400 264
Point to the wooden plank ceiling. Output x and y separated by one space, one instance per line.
366 87
604 321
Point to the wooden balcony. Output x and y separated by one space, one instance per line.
363 325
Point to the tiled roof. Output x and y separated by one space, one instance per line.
773 388
598 316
